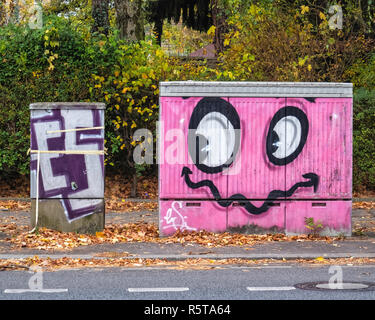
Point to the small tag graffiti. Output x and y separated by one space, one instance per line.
174 219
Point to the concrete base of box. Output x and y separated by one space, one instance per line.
51 215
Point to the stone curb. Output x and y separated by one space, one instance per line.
179 257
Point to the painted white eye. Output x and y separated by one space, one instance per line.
288 131
214 135
218 141
287 135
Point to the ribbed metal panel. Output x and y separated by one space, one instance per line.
191 215
175 116
273 220
256 176
328 149
335 216
255 89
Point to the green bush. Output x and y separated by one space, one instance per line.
364 140
362 72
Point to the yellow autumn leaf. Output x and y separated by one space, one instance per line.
99 234
304 9
319 259
211 31
301 62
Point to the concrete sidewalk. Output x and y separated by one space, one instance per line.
173 251
362 246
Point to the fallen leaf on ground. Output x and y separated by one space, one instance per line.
46 239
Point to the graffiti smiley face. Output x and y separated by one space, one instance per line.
214 142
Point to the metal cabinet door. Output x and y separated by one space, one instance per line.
258 170
320 135
194 147
73 176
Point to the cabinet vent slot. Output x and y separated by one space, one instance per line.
193 204
318 204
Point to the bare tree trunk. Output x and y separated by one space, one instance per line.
2 13
133 191
99 13
130 21
219 21
159 30
9 12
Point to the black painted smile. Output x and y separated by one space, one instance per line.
312 181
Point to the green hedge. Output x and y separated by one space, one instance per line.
364 140
26 76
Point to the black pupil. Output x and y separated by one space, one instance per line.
274 141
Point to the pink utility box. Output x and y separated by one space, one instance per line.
255 156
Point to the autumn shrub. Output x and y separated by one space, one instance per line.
272 43
362 72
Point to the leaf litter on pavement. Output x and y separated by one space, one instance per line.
47 239
49 264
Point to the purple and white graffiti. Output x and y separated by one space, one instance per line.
77 179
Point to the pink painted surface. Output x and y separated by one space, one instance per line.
335 216
255 177
175 117
176 215
273 219
327 153
328 149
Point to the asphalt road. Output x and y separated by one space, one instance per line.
224 283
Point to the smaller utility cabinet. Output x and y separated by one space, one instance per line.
67 166
255 156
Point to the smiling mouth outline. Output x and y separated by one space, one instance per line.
312 181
